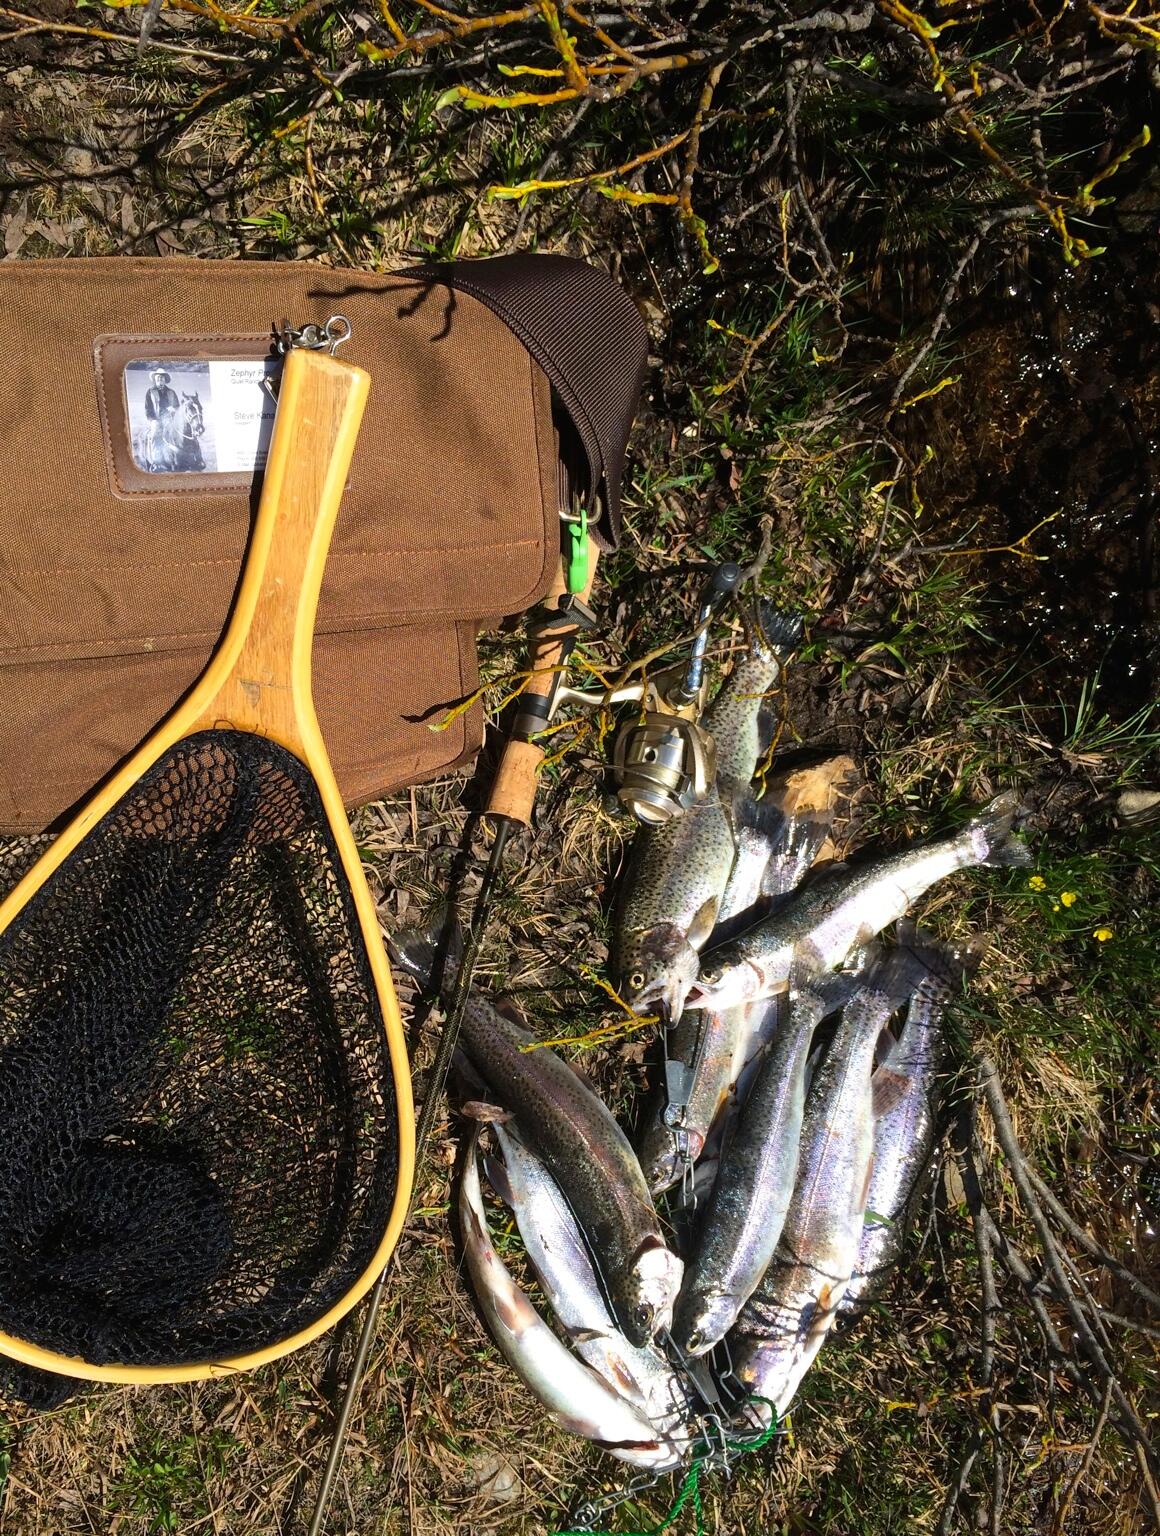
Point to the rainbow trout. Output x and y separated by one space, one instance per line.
905 1135
678 872
778 840
821 925
555 1248
785 1321
586 1151
758 1170
715 1046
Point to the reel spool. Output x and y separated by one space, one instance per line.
663 764
664 761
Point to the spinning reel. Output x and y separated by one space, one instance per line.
664 761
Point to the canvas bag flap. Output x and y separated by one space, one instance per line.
125 514
452 494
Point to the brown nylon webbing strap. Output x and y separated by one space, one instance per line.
588 337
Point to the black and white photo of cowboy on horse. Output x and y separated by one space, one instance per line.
167 406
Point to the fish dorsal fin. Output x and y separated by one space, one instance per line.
887 1044
507 1009
703 922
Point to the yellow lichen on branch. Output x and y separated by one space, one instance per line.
526 188
1084 198
928 394
475 101
1125 27
1019 547
573 70
637 199
458 29
1051 205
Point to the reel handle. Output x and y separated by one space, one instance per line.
513 791
726 579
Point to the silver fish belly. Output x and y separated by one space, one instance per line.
904 1136
752 1191
826 921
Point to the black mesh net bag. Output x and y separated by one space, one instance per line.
197 1108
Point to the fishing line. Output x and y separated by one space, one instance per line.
711 1458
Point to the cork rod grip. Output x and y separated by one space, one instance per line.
513 792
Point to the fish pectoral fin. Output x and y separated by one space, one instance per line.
507 1009
497 1177
703 922
584 1335
805 971
484 1112
887 1088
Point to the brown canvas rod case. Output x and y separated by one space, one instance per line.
135 403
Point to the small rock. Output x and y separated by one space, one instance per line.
494 1477
1138 807
78 161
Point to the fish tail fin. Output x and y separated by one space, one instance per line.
497 1177
772 631
762 820
990 834
429 947
950 962
896 974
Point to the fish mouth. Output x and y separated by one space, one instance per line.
739 984
666 998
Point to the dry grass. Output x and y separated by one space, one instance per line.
915 664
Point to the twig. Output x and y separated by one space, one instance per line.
1072 1227
1080 1473
822 256
999 1245
966 1138
997 1104
752 572
950 291
1126 1322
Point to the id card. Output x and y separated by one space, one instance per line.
199 416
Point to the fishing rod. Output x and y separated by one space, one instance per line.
552 632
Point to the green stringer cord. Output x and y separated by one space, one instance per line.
690 1489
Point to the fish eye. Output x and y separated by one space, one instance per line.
642 1315
636 981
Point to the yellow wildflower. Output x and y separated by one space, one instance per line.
1037 883
1069 898
1055 906
1103 934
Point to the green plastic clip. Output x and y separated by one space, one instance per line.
576 551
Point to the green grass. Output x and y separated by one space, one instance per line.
163 1481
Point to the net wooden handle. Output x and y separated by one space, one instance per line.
513 791
320 409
